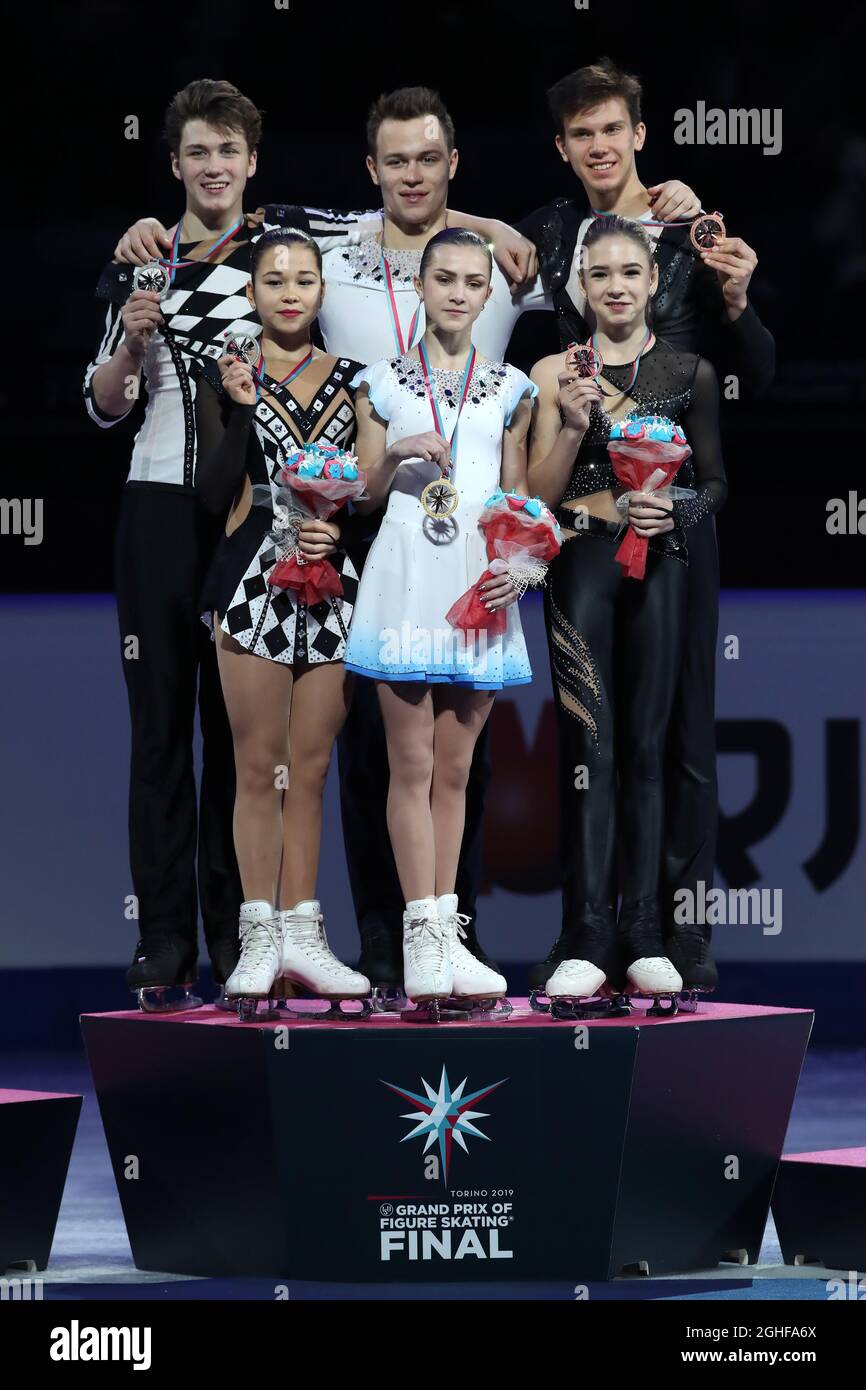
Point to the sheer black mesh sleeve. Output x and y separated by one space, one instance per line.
223 436
743 346
701 425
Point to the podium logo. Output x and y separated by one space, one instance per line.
444 1118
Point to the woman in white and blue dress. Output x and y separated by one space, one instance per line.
435 689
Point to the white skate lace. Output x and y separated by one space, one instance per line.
309 934
427 943
457 921
257 939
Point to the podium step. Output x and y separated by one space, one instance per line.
819 1207
37 1130
527 1149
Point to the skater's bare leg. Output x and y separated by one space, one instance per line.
320 703
460 715
407 713
258 696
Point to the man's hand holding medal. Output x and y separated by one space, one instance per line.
735 263
141 317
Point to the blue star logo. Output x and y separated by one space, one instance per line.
444 1116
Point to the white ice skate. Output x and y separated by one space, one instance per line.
575 979
427 973
652 977
308 961
473 981
260 959
570 987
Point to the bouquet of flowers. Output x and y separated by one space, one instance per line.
522 537
646 451
314 481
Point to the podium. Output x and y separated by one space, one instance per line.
819 1207
519 1150
37 1131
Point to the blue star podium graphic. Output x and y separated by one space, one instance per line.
444 1116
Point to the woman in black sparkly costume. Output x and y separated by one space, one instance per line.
616 643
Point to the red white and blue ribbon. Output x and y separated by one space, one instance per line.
647 221
434 404
174 264
395 317
259 371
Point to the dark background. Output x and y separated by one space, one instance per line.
314 68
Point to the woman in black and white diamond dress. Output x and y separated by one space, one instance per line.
281 662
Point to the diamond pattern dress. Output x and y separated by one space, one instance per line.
268 621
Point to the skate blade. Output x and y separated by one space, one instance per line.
163 999
222 1002
583 1008
536 998
463 1010
688 999
665 1003
388 999
423 1011
352 1010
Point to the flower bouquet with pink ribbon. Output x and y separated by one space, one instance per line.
522 537
646 452
315 481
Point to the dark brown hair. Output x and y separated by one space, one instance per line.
406 104
454 236
590 86
614 225
220 104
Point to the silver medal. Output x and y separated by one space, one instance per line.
152 277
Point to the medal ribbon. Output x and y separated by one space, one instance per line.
434 405
649 221
174 264
395 317
259 371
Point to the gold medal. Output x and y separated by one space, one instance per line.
439 498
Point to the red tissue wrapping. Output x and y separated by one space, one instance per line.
512 535
314 580
635 462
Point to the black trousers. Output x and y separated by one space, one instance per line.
691 783
164 544
362 754
616 649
